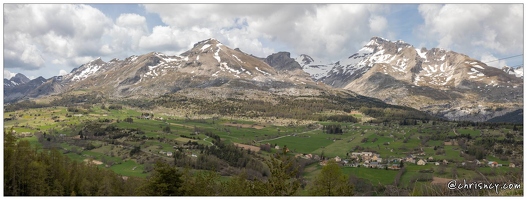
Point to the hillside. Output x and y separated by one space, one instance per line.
445 83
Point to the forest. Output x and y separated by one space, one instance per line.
29 171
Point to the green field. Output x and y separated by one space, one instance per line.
375 176
129 168
390 141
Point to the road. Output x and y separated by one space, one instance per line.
318 128
204 139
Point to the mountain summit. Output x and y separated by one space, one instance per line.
208 64
442 82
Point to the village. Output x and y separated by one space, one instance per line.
374 160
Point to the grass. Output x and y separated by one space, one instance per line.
305 143
375 176
76 157
33 141
471 132
129 168
315 142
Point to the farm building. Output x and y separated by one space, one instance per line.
492 164
421 162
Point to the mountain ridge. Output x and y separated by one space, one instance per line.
443 83
429 80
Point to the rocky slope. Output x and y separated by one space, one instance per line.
445 83
518 72
15 80
208 65
19 86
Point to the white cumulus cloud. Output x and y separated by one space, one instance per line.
43 35
8 74
62 72
329 32
474 29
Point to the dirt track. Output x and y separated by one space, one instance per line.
253 148
245 125
93 161
437 180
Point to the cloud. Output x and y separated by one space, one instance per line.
492 61
62 36
329 32
62 72
20 51
8 74
378 24
475 29
165 38
82 60
39 35
125 34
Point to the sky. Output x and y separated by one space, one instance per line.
52 39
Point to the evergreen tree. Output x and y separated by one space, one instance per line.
331 182
165 181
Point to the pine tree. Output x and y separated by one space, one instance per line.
165 181
331 182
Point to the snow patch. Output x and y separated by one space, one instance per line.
225 67
401 64
217 56
91 69
477 66
417 79
205 47
264 73
448 79
421 54
366 50
473 71
317 71
216 73
237 58
170 59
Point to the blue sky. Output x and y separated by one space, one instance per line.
52 39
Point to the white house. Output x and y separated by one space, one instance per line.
421 162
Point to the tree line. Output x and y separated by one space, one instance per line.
36 172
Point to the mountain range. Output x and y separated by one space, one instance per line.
443 83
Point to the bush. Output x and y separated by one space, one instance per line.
115 107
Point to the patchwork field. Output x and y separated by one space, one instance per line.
126 142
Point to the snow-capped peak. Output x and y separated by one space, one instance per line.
304 59
87 69
518 72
